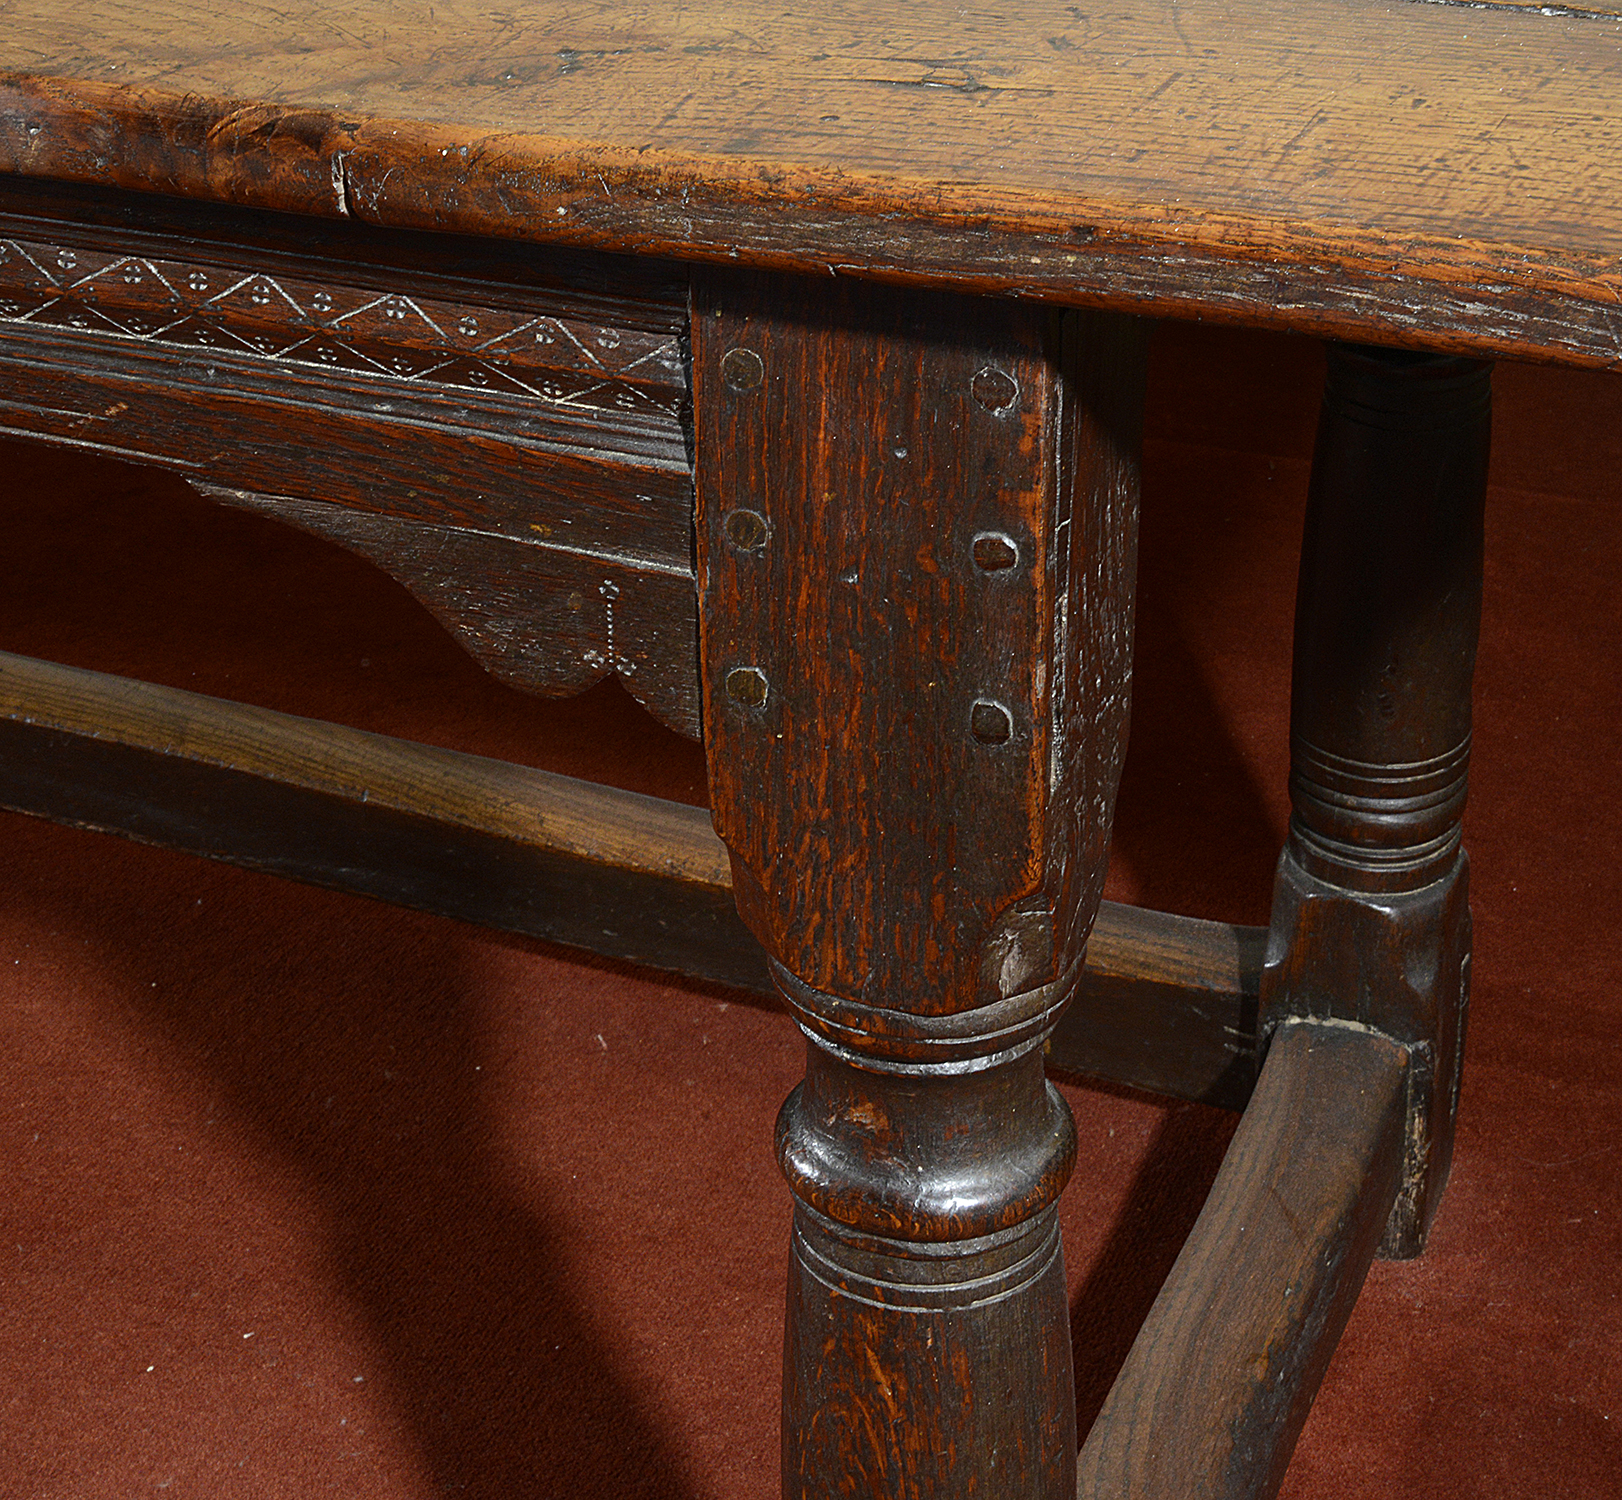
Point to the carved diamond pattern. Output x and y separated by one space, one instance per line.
336 354
126 282
201 333
17 303
257 297
329 325
411 364
70 312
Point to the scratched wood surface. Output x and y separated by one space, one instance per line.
1416 172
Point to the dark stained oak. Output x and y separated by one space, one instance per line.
1167 1004
1442 175
454 413
504 845
883 695
724 347
1371 913
1221 1377
917 523
1162 1004
547 619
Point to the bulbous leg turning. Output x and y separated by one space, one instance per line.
927 1350
916 521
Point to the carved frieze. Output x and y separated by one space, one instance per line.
503 432
301 321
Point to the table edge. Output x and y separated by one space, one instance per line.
1450 294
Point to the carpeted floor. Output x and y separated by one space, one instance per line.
302 1195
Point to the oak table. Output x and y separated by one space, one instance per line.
789 367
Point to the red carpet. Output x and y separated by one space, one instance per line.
302 1195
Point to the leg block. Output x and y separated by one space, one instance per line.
916 523
1399 964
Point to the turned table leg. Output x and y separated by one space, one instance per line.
1371 917
916 520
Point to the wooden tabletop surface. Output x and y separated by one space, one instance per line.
1409 171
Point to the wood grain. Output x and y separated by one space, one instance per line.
543 855
502 430
645 834
1427 173
889 847
549 620
1371 911
1167 1004
322 318
916 526
1224 1370
879 696
510 847
855 436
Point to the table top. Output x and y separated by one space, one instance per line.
1414 172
